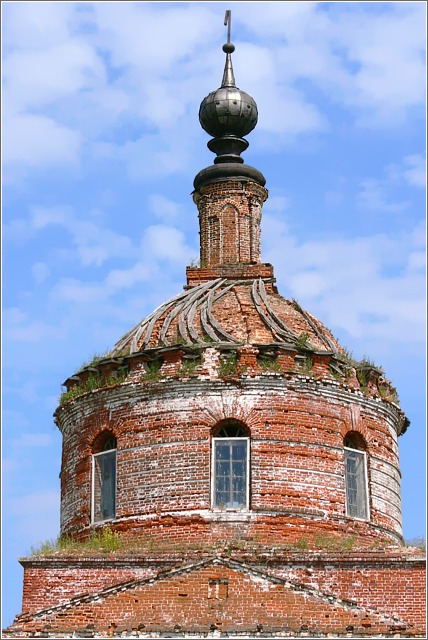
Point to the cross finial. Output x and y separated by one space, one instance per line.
227 21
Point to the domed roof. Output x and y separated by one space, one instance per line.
224 311
228 111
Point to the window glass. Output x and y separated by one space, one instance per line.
104 486
230 473
356 484
231 431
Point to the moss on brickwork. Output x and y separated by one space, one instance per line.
93 382
105 541
229 366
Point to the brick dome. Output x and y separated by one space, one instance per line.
227 311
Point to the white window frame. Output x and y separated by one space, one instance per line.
213 476
94 456
366 484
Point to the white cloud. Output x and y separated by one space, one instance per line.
377 194
153 37
153 155
13 315
42 216
333 197
17 326
33 331
389 51
370 60
93 242
417 260
163 207
40 271
36 24
161 246
40 77
277 203
15 419
416 174
38 141
369 287
373 196
37 513
75 291
281 20
166 243
9 465
119 279
419 235
32 440
283 109
17 231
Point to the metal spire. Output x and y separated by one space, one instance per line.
228 48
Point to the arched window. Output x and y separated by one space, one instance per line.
230 466
104 478
357 504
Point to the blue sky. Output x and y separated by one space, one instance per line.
101 142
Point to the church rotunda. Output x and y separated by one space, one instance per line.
230 410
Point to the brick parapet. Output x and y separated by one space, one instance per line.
198 275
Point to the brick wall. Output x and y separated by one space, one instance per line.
229 221
164 439
291 594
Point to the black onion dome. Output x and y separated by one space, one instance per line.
228 111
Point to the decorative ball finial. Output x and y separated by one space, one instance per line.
228 47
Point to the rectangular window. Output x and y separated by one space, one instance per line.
230 473
104 486
356 484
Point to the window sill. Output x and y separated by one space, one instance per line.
241 515
358 519
94 523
